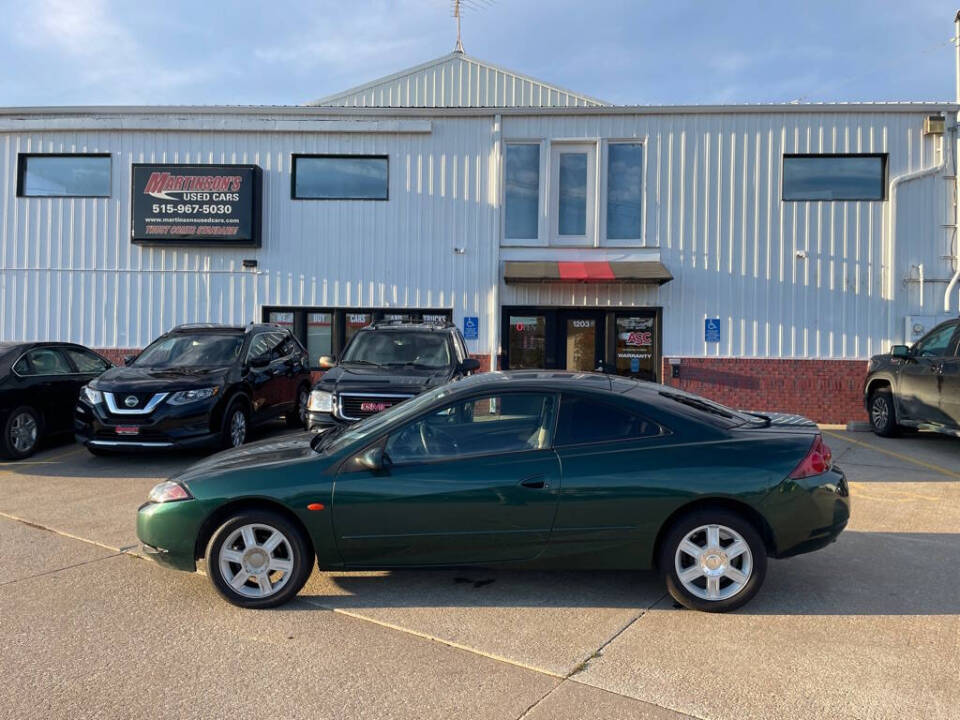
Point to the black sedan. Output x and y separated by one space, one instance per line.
39 384
199 385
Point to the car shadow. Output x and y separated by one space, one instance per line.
142 463
863 573
912 457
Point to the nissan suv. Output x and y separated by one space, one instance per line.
384 364
198 385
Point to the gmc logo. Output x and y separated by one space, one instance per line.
370 406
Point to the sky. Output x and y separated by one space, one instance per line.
286 52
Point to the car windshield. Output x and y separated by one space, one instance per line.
200 350
334 440
385 348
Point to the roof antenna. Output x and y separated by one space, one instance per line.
456 14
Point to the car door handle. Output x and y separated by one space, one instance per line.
536 482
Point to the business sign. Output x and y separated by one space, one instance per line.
471 327
711 330
196 204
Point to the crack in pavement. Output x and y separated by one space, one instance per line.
61 569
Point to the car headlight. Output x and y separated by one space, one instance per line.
168 491
320 401
94 397
188 396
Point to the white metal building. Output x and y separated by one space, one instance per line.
659 240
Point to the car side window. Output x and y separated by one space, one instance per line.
47 361
265 345
491 424
937 343
22 366
87 362
584 420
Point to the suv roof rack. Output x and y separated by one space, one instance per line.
205 326
432 324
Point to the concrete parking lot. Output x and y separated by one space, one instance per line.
867 628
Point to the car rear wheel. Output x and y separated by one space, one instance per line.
713 560
883 415
258 559
298 417
236 422
21 433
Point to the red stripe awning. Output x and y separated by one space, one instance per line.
585 271
603 271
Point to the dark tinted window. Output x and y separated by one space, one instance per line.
833 177
583 420
201 350
87 362
339 177
46 361
399 347
937 343
64 176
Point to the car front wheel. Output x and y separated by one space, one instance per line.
713 560
236 421
258 559
883 415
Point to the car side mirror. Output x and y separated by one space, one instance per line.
260 362
373 459
900 351
470 365
326 362
129 359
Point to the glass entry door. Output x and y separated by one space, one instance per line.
582 340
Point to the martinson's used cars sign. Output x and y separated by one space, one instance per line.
196 204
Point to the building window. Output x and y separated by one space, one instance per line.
340 177
326 331
624 187
834 177
63 176
573 174
522 185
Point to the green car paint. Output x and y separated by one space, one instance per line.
587 506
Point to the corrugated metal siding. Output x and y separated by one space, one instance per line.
457 80
712 189
70 272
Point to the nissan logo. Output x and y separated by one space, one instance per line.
130 401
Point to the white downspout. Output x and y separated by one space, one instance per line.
894 185
956 141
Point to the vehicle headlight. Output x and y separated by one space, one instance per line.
168 491
188 396
320 401
94 397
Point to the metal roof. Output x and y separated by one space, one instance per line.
457 80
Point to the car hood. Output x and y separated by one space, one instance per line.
398 379
251 457
134 379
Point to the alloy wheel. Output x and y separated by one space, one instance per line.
879 412
256 560
24 432
238 428
713 562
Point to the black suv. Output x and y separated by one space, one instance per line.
198 385
919 386
384 364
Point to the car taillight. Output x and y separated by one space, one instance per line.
816 462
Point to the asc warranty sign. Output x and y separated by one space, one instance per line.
196 204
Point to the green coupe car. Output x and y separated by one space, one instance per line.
512 469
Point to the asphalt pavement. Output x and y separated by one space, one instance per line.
867 628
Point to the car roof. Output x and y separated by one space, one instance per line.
557 380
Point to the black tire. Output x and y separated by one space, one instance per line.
294 548
22 433
227 439
729 596
883 413
298 418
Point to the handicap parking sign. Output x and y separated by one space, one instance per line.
711 330
471 327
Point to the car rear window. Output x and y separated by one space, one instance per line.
710 410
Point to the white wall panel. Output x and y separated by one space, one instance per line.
712 194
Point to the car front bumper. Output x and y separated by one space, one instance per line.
187 426
168 532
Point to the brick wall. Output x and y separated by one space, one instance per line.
828 391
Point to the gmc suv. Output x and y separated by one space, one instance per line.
384 364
